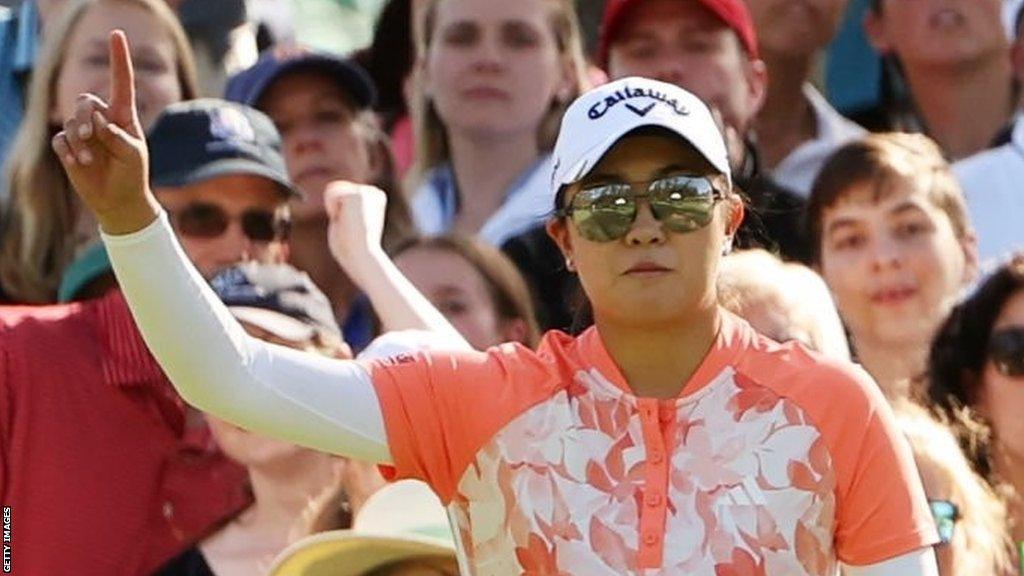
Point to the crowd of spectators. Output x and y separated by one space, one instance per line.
889 236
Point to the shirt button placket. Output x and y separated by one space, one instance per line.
652 515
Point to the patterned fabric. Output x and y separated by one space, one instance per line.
737 476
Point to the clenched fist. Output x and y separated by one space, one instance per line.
103 150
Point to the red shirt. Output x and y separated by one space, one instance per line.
96 462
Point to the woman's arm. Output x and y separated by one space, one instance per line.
920 562
357 223
326 404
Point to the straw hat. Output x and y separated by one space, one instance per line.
401 521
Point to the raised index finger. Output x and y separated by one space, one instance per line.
122 82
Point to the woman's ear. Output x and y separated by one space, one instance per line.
969 246
737 210
558 231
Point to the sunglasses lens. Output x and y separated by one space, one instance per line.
260 225
202 221
683 203
945 514
604 213
1006 348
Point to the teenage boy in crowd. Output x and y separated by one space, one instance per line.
99 453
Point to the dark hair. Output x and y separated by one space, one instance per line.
960 350
885 162
390 58
505 285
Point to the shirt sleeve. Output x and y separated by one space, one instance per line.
441 408
325 404
882 512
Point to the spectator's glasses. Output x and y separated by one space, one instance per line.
606 212
1006 349
946 515
205 220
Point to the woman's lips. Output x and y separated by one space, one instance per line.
485 93
647 269
892 296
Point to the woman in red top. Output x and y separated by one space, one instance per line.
669 438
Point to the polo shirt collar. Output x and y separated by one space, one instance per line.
125 361
734 336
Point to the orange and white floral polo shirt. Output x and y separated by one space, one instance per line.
771 461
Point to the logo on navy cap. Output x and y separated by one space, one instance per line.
626 94
227 123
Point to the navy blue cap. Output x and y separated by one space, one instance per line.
193 141
269 295
249 85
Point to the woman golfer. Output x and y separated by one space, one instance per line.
669 438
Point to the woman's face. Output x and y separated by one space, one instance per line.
493 66
1002 397
86 66
455 288
650 275
322 138
894 265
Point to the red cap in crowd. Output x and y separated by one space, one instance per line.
733 13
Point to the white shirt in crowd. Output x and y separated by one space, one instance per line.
798 170
528 203
993 183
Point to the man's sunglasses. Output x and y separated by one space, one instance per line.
606 212
1006 349
205 220
946 515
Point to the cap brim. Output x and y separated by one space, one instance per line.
276 323
226 167
593 155
355 82
347 553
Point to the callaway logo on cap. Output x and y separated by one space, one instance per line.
601 117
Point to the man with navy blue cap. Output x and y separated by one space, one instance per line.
94 434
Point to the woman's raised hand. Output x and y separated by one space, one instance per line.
357 223
103 150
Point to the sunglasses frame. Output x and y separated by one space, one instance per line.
568 210
1006 351
279 221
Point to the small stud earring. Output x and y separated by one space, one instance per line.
568 265
727 247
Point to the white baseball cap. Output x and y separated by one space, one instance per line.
601 117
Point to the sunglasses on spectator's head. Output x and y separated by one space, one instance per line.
1006 349
946 515
205 220
606 211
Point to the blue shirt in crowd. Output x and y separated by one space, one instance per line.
19 38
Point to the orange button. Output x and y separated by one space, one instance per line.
653 499
651 539
656 457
